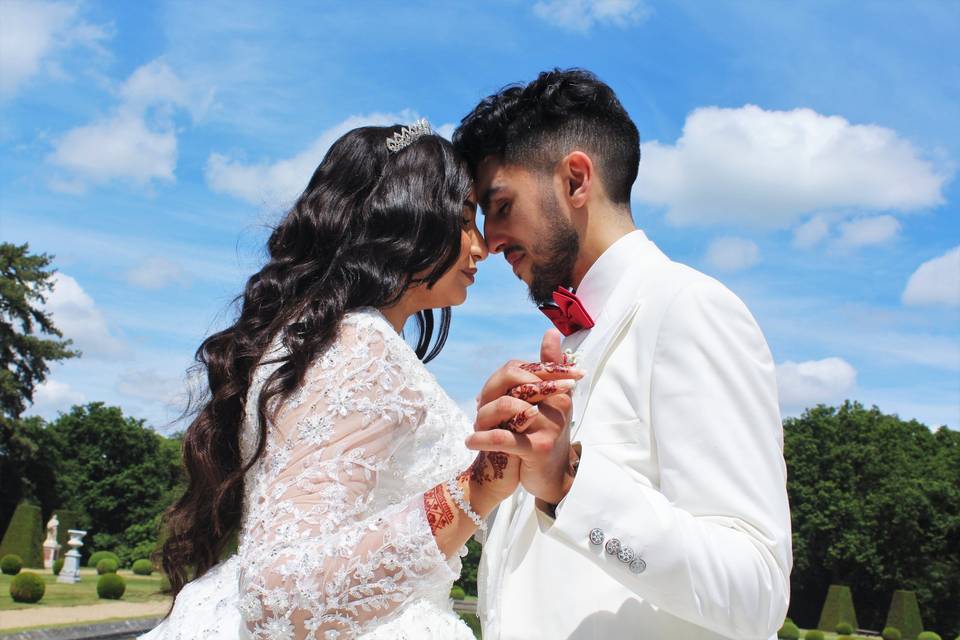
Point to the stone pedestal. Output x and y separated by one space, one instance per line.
70 573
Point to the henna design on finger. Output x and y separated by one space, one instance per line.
519 420
532 389
546 367
439 513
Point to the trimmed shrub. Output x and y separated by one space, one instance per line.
24 535
844 629
57 566
110 586
905 614
97 556
457 593
890 633
837 608
814 634
144 567
789 631
11 564
107 565
929 635
27 587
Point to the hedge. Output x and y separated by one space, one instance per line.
110 586
837 608
107 565
24 535
97 556
11 564
905 614
27 587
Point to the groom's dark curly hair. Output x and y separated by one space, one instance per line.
535 125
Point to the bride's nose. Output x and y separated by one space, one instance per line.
478 247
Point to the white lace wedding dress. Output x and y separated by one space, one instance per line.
334 541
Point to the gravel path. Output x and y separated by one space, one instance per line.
87 613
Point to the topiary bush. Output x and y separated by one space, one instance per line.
27 587
844 629
24 535
929 635
110 586
144 567
57 566
457 593
837 608
11 564
814 634
789 631
97 556
891 633
904 614
107 565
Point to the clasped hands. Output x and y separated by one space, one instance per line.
522 427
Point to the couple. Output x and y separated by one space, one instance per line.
630 484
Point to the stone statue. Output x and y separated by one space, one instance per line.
70 573
51 548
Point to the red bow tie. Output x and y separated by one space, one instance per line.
568 315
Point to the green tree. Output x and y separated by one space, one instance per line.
24 353
29 342
120 473
875 504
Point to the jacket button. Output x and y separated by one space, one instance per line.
626 555
613 546
638 565
596 536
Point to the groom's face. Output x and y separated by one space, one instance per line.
525 220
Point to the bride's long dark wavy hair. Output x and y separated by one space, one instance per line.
370 224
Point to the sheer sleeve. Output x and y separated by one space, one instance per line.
333 541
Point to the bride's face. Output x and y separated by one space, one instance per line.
451 289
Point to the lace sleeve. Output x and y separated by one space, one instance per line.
325 555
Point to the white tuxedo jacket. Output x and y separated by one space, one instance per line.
681 464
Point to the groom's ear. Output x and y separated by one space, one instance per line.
578 178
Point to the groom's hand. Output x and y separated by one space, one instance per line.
541 440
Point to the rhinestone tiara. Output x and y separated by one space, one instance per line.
407 135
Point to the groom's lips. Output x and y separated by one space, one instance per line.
513 257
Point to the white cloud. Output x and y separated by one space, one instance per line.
51 397
811 233
806 384
732 254
759 168
33 34
137 142
78 318
581 15
149 385
936 281
280 182
157 273
865 232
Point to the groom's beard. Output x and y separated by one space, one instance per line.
555 255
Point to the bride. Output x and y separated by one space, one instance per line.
324 443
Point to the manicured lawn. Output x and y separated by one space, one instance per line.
139 589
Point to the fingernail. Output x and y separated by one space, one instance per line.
532 411
566 385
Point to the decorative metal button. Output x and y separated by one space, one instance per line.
626 555
596 536
638 565
613 546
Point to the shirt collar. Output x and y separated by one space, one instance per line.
602 276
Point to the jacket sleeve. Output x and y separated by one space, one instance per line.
321 557
710 541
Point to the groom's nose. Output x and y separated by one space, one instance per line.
495 239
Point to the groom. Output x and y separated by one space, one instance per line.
659 509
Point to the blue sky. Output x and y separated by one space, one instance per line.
803 153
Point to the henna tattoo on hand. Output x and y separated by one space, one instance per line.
479 469
532 389
439 513
519 420
498 461
546 367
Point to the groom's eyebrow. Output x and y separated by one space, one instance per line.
487 195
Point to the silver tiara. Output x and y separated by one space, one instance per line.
407 135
